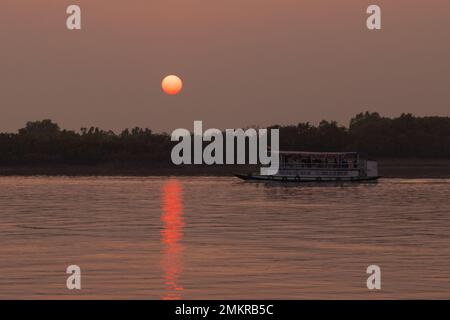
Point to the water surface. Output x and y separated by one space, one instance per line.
219 238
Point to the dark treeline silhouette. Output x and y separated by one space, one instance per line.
403 137
44 142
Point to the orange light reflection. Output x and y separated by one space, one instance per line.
171 238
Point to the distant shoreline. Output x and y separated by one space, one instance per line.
389 168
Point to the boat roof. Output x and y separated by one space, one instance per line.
320 154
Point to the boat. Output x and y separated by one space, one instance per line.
302 166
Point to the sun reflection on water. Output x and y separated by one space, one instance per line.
171 238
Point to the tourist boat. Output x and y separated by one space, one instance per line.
319 167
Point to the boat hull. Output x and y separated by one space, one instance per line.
292 179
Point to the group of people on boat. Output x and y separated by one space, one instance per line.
299 161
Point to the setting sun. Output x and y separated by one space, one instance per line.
172 85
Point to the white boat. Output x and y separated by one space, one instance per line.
319 167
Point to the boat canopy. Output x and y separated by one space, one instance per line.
305 159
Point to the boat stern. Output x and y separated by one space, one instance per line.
372 168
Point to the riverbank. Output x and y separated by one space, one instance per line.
389 168
414 168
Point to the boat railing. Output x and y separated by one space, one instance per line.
354 166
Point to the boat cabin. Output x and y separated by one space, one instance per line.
319 160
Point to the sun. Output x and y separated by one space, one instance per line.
172 85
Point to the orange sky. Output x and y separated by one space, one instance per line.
243 62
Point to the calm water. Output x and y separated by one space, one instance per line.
219 238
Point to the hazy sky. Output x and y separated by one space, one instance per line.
244 62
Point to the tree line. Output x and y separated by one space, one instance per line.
44 142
